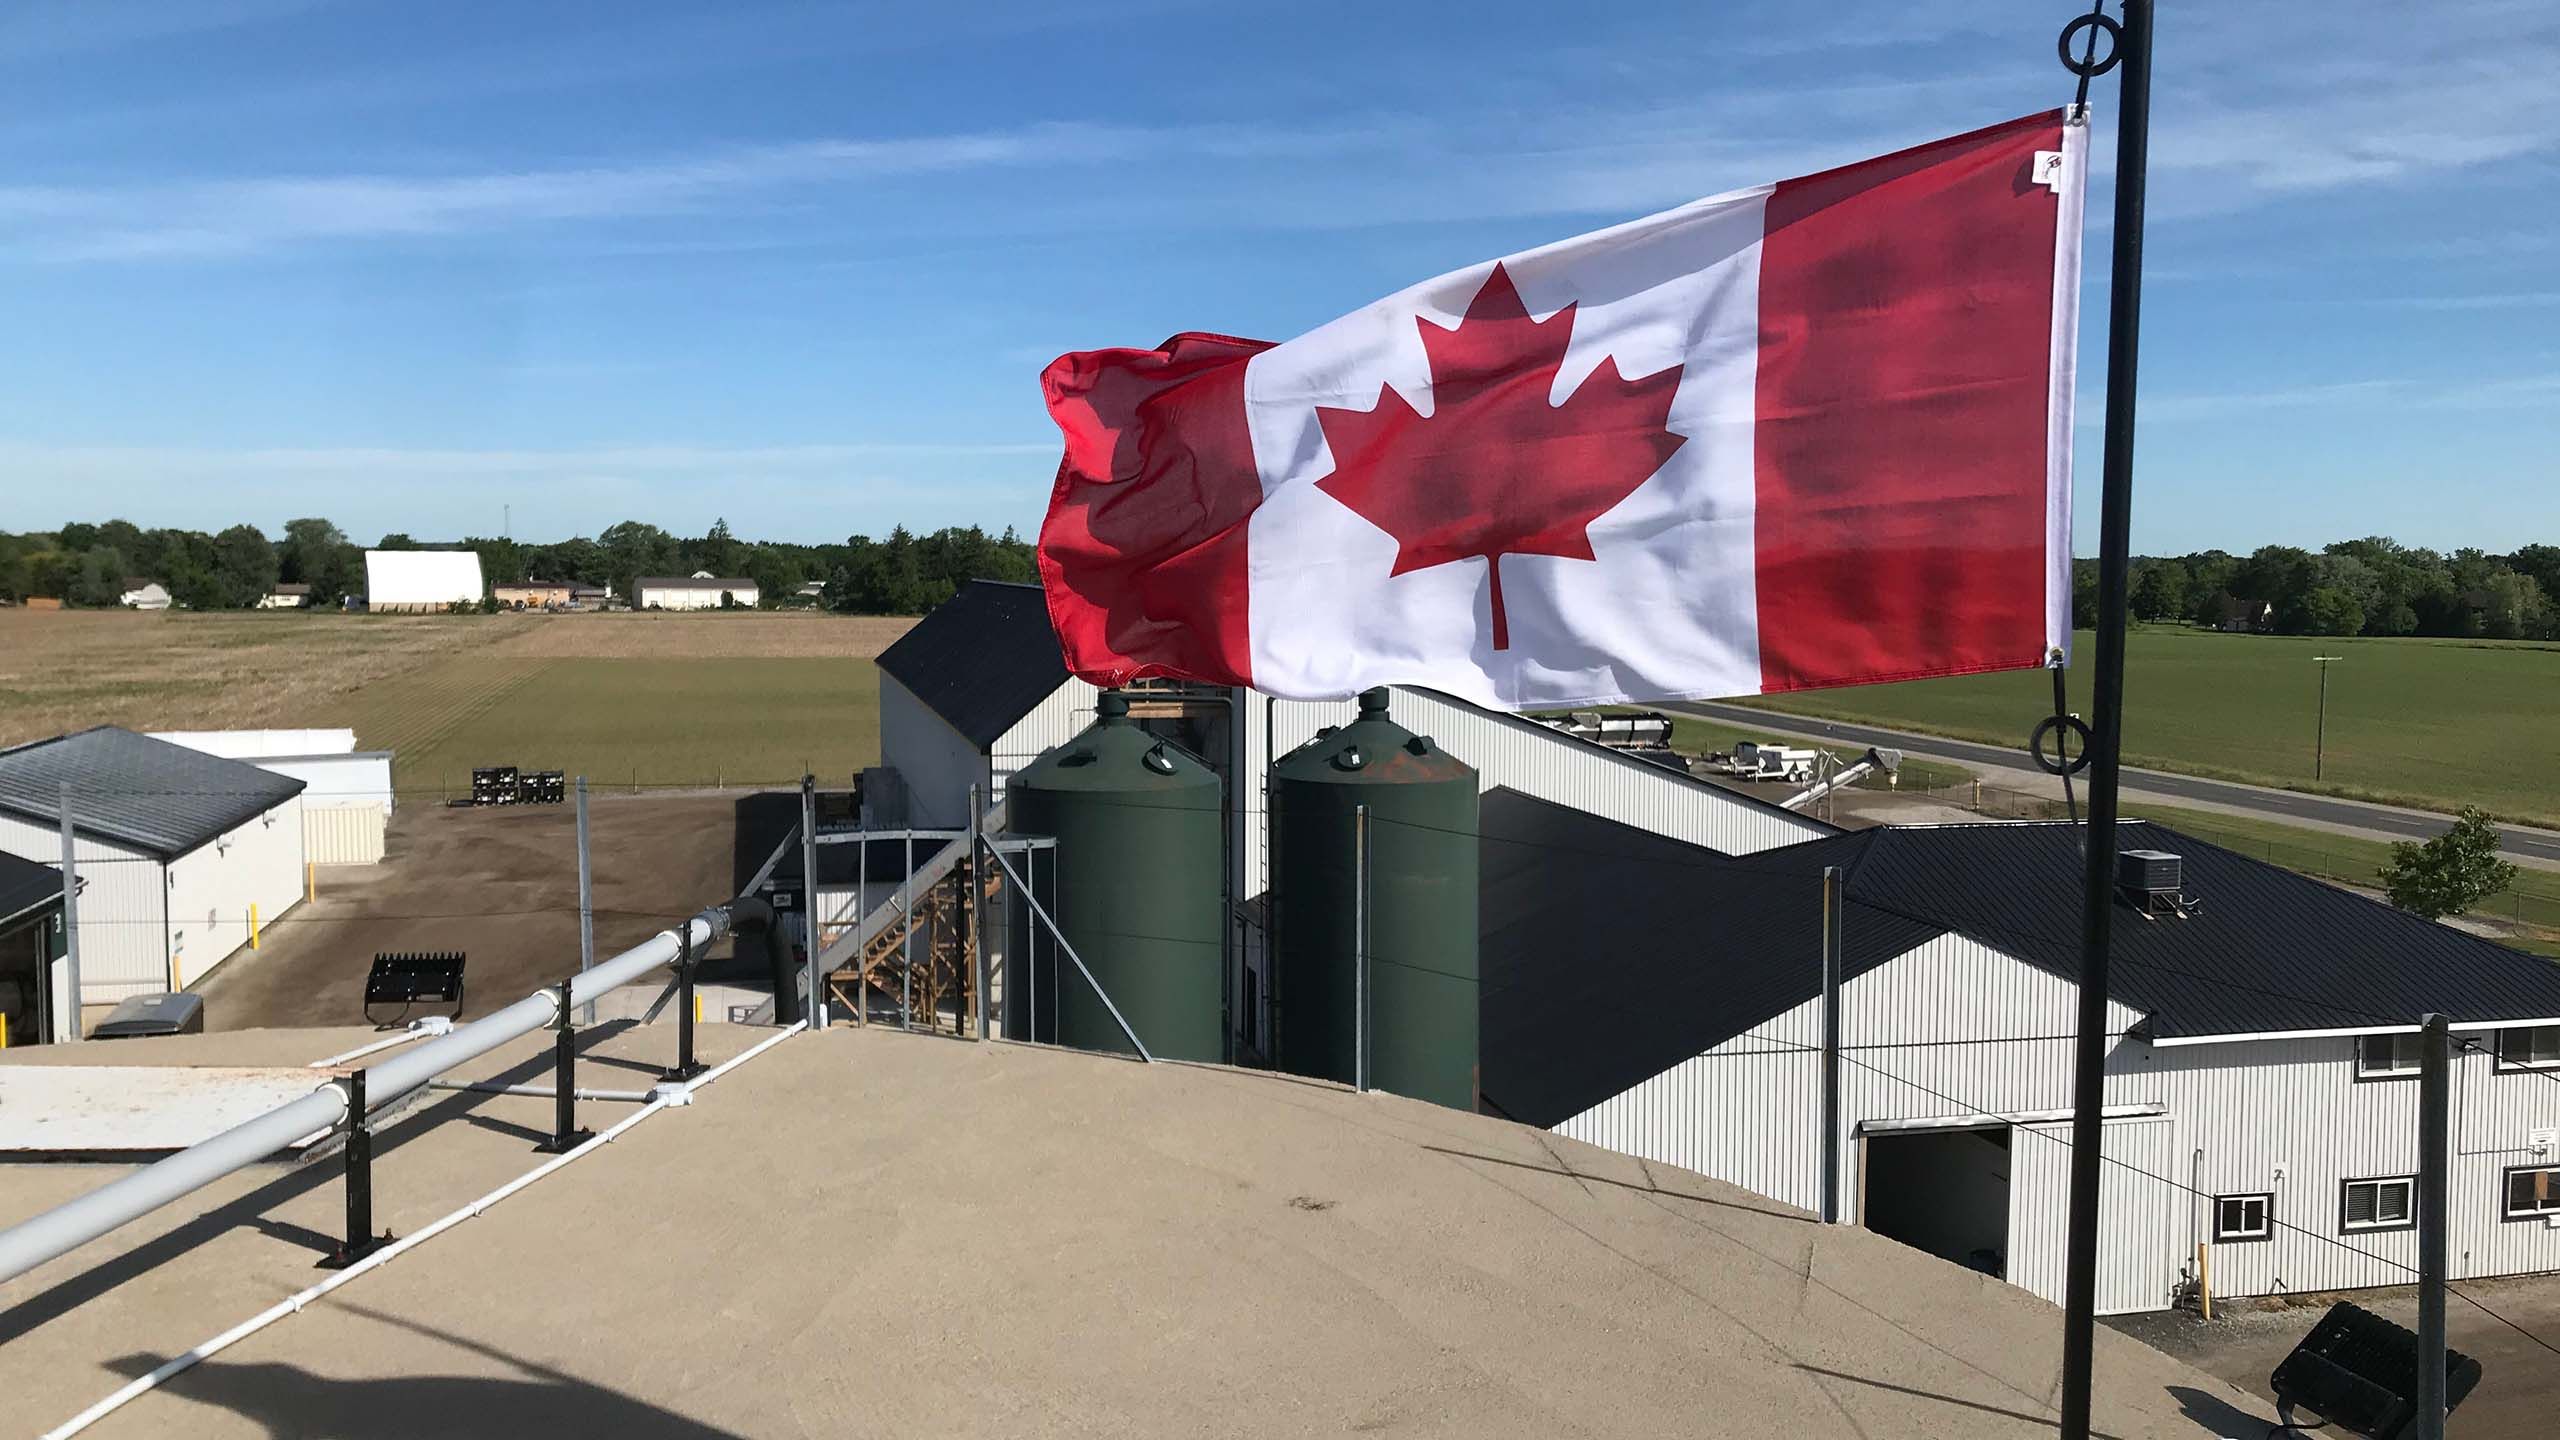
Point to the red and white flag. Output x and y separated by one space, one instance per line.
1808 434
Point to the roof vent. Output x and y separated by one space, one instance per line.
2153 882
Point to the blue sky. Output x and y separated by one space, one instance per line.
799 264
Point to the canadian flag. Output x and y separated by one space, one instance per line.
1807 434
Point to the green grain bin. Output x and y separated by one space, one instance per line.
1422 909
1136 890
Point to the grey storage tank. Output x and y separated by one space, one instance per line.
1135 887
1423 811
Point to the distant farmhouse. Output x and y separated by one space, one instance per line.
534 594
421 581
701 590
291 595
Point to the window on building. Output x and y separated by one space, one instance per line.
2386 1057
2243 1217
2534 1193
2534 1047
2385 1204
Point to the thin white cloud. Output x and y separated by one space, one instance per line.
247 215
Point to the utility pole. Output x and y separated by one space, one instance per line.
68 1027
2320 736
1830 1044
2435 1111
2132 58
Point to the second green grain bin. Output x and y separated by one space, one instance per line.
1135 891
1421 907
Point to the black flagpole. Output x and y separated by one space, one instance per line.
2124 320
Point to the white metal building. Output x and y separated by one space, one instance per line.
428 581
347 800
701 590
182 855
1667 1003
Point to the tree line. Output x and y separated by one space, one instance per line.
94 564
2373 586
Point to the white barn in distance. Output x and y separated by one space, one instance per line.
701 590
421 581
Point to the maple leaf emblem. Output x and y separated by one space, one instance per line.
1495 469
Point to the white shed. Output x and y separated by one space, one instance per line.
348 799
421 580
183 856
701 590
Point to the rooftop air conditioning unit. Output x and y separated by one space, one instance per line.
2152 879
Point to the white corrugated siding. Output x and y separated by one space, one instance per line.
120 919
2140 1220
343 834
937 763
1053 721
1914 1034
214 887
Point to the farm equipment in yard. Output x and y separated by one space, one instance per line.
2359 1372
406 977
1757 760
506 785
1888 761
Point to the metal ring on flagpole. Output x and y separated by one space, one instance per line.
2062 762
2089 66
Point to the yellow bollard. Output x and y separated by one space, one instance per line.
253 925
4 1032
310 881
2204 1278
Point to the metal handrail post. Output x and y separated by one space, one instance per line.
360 1240
565 1134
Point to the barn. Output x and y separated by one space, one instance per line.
700 590
182 856
421 581
1665 1001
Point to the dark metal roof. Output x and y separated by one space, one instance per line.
982 660
2263 950
1610 954
26 885
150 795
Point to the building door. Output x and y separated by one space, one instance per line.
1943 1191
2139 1210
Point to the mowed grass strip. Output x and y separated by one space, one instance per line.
659 724
2436 724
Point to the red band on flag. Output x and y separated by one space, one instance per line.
1143 552
1901 444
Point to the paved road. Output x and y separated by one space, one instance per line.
2274 804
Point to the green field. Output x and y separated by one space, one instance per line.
627 722
2436 724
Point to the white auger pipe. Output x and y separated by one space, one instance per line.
75 1223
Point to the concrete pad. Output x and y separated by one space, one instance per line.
112 1109
869 1233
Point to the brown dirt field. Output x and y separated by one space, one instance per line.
168 670
500 885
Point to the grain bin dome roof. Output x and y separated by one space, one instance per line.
162 799
421 577
982 660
